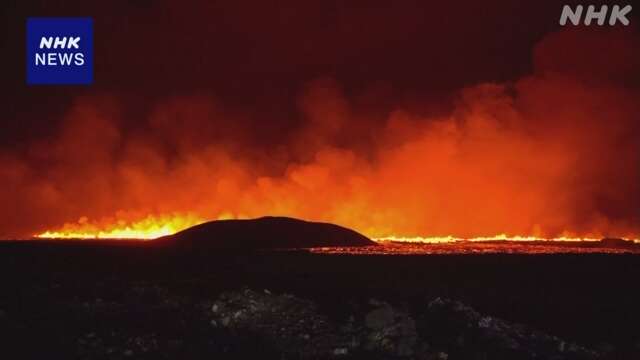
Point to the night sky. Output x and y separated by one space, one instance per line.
257 55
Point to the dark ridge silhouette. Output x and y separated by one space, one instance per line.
265 233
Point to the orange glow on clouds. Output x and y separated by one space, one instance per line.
551 155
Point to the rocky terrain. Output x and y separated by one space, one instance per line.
248 323
136 301
442 329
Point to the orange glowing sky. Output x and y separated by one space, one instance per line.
465 138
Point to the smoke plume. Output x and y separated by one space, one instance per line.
553 153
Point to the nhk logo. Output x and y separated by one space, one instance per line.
59 51
618 14
58 58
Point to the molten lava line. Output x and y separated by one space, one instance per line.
148 228
449 239
125 233
153 227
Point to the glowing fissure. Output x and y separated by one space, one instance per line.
447 239
152 227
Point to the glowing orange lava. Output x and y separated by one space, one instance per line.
449 239
152 226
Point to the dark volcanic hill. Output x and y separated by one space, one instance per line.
265 233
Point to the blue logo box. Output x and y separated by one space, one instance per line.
59 51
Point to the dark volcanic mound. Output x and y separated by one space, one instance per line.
265 233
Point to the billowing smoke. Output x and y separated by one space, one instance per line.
553 153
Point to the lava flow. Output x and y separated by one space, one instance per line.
148 228
153 227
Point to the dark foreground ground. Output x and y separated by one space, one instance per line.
132 300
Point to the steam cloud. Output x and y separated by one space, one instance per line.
552 153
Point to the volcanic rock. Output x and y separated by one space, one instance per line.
616 243
265 233
291 324
390 331
444 329
380 318
464 333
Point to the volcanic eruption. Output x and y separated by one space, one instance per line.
321 179
550 154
